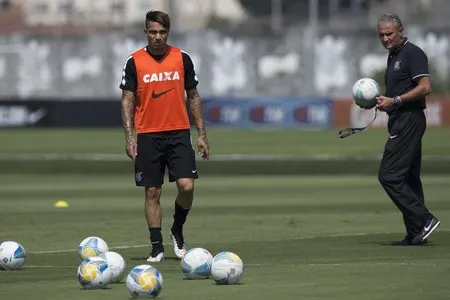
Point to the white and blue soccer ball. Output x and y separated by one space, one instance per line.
116 263
144 281
94 273
196 263
92 246
227 268
365 92
12 255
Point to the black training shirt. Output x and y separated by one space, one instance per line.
405 66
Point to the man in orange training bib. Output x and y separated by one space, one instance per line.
154 81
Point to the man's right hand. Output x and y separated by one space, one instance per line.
131 147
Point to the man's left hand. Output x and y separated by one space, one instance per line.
384 103
203 146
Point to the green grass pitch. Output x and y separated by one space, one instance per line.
299 237
223 141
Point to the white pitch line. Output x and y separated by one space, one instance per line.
275 264
219 157
49 267
376 263
74 250
288 239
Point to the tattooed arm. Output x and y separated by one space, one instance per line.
195 104
128 107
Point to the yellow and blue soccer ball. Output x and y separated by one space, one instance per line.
144 281
91 246
227 268
12 255
94 273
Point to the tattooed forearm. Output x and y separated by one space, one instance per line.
197 111
128 102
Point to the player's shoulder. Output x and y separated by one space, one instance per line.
185 53
413 48
138 53
186 57
177 51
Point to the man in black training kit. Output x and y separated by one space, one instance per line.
407 81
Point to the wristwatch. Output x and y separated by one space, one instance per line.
397 100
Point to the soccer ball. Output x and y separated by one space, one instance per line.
94 273
116 263
196 264
144 281
227 268
12 256
365 91
92 246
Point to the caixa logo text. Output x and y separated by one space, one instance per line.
163 76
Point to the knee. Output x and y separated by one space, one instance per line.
386 178
152 193
381 176
186 186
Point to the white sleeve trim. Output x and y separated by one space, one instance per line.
421 75
185 52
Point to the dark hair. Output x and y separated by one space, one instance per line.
158 17
390 17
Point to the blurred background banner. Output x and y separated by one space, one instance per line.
281 113
52 113
239 113
346 114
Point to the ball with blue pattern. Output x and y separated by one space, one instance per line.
92 246
12 255
196 264
365 92
94 273
144 281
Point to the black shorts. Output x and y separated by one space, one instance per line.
156 151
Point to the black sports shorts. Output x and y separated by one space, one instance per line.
156 151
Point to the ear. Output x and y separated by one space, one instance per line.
145 31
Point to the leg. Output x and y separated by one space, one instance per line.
431 223
154 219
185 195
183 170
413 179
153 207
396 163
414 182
183 203
149 172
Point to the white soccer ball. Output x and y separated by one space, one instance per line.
92 246
94 273
116 263
196 264
227 268
144 281
12 255
365 91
